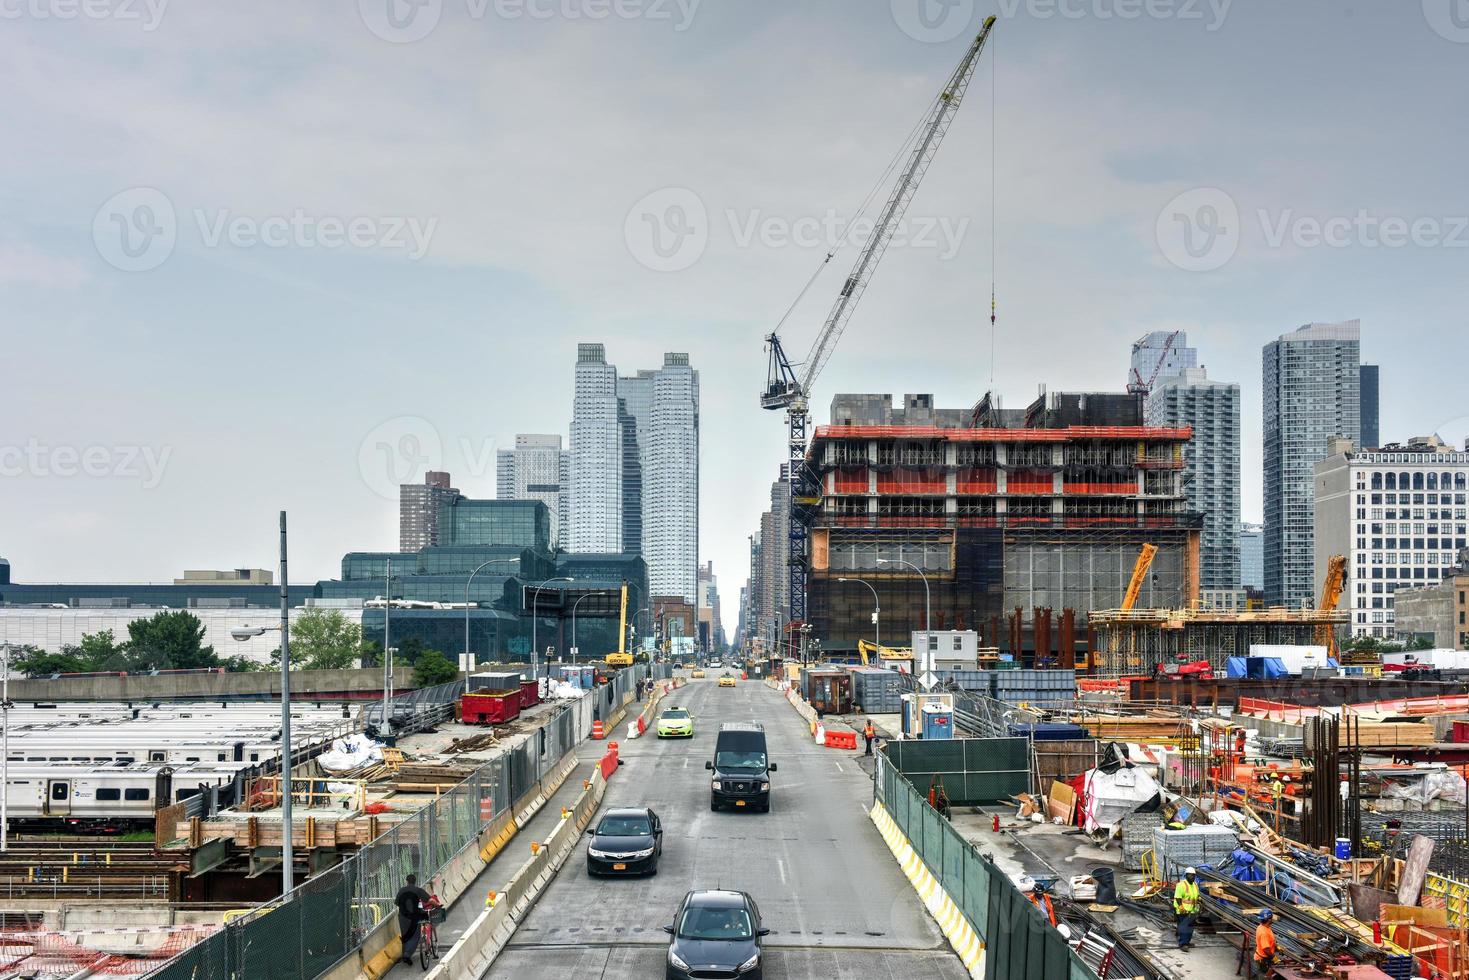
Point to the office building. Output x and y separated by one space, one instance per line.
1252 556
418 510
1369 410
536 469
1159 355
1397 513
635 466
1189 399
228 576
1312 394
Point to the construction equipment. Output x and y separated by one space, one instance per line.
621 658
1331 590
784 388
1145 557
866 649
1137 385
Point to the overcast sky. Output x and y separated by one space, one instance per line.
252 255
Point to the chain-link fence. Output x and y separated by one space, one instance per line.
1019 942
328 916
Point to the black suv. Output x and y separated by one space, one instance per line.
741 768
628 841
715 934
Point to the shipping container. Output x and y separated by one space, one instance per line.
496 680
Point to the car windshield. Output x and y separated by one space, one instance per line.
715 923
676 714
739 760
624 827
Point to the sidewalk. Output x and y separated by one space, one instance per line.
516 852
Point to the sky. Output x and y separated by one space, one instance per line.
277 255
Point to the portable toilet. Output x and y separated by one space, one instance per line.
938 721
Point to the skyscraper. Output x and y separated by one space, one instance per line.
595 505
1211 459
635 467
1370 433
1159 355
536 469
418 510
1252 556
1312 393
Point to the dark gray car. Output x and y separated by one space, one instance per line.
716 936
627 841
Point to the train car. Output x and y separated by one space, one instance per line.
70 795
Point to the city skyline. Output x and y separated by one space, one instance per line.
1081 269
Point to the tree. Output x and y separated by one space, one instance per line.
170 641
323 639
244 665
431 668
1420 643
100 648
410 648
34 662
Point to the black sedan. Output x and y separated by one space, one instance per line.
716 936
628 841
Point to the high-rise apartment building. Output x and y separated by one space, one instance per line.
1252 556
595 505
1312 394
1398 515
536 469
635 467
1369 410
1188 398
418 510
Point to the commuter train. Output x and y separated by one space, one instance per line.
103 797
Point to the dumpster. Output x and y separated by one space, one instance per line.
530 693
489 707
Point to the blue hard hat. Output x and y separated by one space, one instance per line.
1266 915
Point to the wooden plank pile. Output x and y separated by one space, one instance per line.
430 777
1144 729
1387 733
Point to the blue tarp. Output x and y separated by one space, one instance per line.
1236 667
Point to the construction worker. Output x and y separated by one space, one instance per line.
1186 906
1264 947
1041 899
869 733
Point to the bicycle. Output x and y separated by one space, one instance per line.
428 935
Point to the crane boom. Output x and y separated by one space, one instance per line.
784 388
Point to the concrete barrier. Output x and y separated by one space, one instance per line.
476 950
364 684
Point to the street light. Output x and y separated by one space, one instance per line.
927 605
651 624
467 582
5 748
876 613
245 633
578 602
535 604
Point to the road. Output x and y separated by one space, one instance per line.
831 893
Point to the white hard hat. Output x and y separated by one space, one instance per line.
1189 871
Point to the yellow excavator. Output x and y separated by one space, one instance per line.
866 648
621 658
1331 590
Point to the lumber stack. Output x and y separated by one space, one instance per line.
1141 729
1387 733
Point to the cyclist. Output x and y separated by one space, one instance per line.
412 903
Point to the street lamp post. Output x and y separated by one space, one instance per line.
573 626
467 661
5 748
387 646
876 613
535 605
245 633
633 626
927 606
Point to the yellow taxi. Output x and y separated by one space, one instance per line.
726 680
696 672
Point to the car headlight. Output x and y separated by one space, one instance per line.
646 852
750 963
676 961
764 787
596 853
714 784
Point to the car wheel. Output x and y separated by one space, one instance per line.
714 806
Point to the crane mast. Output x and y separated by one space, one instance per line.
784 388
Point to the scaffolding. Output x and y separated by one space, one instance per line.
1139 641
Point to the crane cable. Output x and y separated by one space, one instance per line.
993 220
898 156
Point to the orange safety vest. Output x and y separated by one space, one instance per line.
869 731
1042 901
1264 942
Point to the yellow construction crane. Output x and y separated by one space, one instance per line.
1139 574
621 658
1331 590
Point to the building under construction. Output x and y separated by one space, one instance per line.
1039 509
1139 641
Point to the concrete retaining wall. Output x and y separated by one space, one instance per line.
259 684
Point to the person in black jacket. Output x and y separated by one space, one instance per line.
411 912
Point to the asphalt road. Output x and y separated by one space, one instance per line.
834 898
